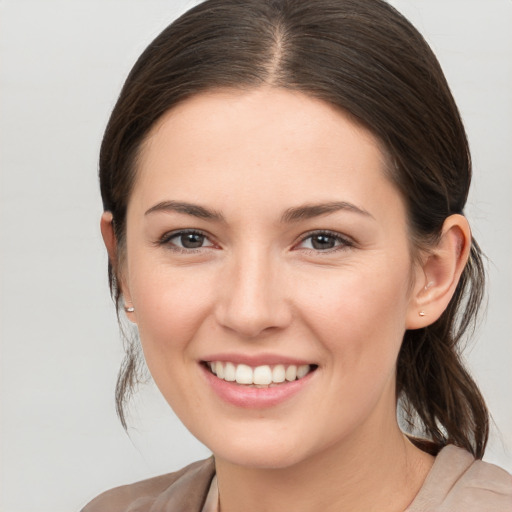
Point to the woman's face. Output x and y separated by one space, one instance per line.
264 240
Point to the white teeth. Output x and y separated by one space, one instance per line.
291 373
302 371
264 375
243 374
219 369
230 372
278 374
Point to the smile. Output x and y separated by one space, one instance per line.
259 376
258 382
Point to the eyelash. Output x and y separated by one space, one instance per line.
344 243
166 240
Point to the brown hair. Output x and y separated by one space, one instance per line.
367 59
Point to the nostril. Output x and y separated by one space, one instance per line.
252 322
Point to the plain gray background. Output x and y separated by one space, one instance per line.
62 65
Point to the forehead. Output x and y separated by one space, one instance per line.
264 144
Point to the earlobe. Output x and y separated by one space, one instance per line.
440 273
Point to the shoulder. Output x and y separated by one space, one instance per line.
458 482
183 490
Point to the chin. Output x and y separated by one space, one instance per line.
257 451
259 458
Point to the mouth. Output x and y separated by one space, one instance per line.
264 376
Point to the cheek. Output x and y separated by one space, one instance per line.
359 316
171 305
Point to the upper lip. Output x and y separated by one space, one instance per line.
256 359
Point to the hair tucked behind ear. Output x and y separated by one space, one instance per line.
439 400
365 58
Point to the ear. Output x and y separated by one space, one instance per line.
109 239
439 272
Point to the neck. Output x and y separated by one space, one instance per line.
369 473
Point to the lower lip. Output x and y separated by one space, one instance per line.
255 398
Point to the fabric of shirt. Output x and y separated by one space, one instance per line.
456 483
212 499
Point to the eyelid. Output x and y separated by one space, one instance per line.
166 238
346 242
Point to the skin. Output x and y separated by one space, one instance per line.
258 286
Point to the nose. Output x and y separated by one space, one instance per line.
253 299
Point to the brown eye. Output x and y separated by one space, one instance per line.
191 240
187 240
322 242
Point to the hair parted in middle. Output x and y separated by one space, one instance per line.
365 58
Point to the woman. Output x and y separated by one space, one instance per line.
283 185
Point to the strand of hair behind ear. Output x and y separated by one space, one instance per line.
433 385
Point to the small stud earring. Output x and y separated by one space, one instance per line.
422 313
129 310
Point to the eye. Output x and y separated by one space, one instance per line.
324 241
187 240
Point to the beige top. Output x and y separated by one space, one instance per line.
456 483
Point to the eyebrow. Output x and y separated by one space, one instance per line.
295 214
309 211
187 208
